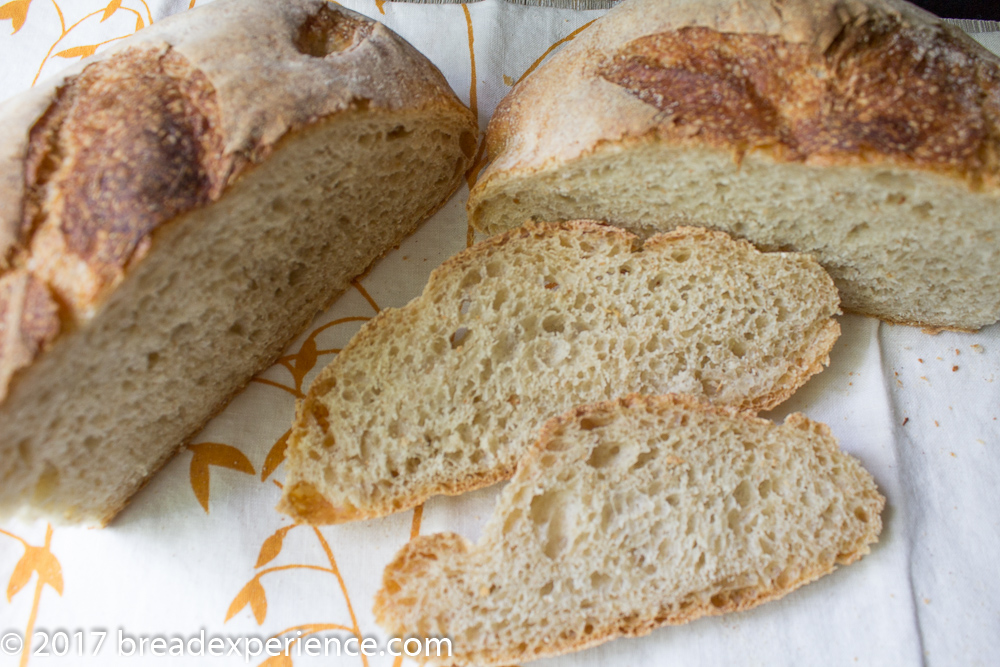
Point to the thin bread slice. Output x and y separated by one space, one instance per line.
446 394
632 514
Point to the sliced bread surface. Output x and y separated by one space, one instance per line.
632 514
445 394
173 211
866 133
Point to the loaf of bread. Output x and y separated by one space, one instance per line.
632 514
446 394
174 210
864 132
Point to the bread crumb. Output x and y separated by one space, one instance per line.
954 368
957 352
936 424
927 600
977 348
953 455
920 360
904 421
507 81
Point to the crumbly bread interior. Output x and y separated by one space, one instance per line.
445 395
904 245
221 293
633 514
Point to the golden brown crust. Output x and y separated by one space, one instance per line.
128 145
873 94
418 558
815 81
94 161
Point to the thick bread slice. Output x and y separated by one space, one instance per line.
174 211
866 133
632 514
446 394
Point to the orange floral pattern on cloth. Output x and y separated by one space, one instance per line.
202 548
221 465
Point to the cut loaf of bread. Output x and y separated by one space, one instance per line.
445 395
632 514
866 133
175 210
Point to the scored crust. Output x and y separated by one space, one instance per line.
425 552
821 82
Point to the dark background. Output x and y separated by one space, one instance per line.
969 9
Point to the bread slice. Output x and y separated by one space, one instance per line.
445 395
866 133
632 514
174 211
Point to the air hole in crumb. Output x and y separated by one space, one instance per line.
296 275
599 580
590 423
604 455
181 332
471 278
857 230
742 493
861 513
546 589
554 323
458 338
151 360
500 298
643 459
398 132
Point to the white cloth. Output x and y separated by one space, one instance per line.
920 412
